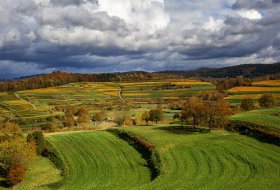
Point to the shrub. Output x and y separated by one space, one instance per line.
247 104
98 116
39 139
15 174
267 100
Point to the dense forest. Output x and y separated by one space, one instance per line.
247 70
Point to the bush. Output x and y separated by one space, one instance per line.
247 104
39 139
15 174
267 100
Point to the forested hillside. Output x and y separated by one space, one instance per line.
60 78
248 70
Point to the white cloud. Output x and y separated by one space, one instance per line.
251 14
213 25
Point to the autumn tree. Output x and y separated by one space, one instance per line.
121 118
267 100
146 117
15 174
247 104
194 110
15 152
98 116
69 120
156 115
39 140
216 114
83 115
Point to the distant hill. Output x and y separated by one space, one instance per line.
248 70
61 78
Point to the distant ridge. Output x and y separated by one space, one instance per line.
247 70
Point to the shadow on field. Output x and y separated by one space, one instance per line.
183 129
5 184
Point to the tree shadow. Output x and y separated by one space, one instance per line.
5 184
183 129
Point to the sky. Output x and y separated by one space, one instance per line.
95 36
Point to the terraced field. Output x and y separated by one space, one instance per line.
216 160
162 91
86 94
265 118
99 160
237 94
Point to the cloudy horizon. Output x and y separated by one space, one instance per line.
93 36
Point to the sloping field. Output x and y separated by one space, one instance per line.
160 91
40 175
267 118
267 83
99 160
255 92
216 160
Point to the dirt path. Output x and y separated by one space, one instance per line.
120 92
17 95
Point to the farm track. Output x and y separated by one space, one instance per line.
120 92
18 96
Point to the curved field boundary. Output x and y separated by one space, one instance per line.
17 95
145 148
99 160
216 160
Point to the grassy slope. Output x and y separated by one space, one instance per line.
263 117
41 174
217 160
99 160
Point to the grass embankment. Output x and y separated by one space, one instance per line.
263 124
99 160
216 160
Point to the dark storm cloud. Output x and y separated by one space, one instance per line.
85 36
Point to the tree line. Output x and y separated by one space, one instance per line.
61 78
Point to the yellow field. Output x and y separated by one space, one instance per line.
135 94
179 82
139 83
106 89
15 102
112 93
254 89
4 111
46 90
268 83
189 83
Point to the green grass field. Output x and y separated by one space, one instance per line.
216 160
40 175
99 160
268 118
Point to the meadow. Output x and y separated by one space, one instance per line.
97 160
266 118
189 160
